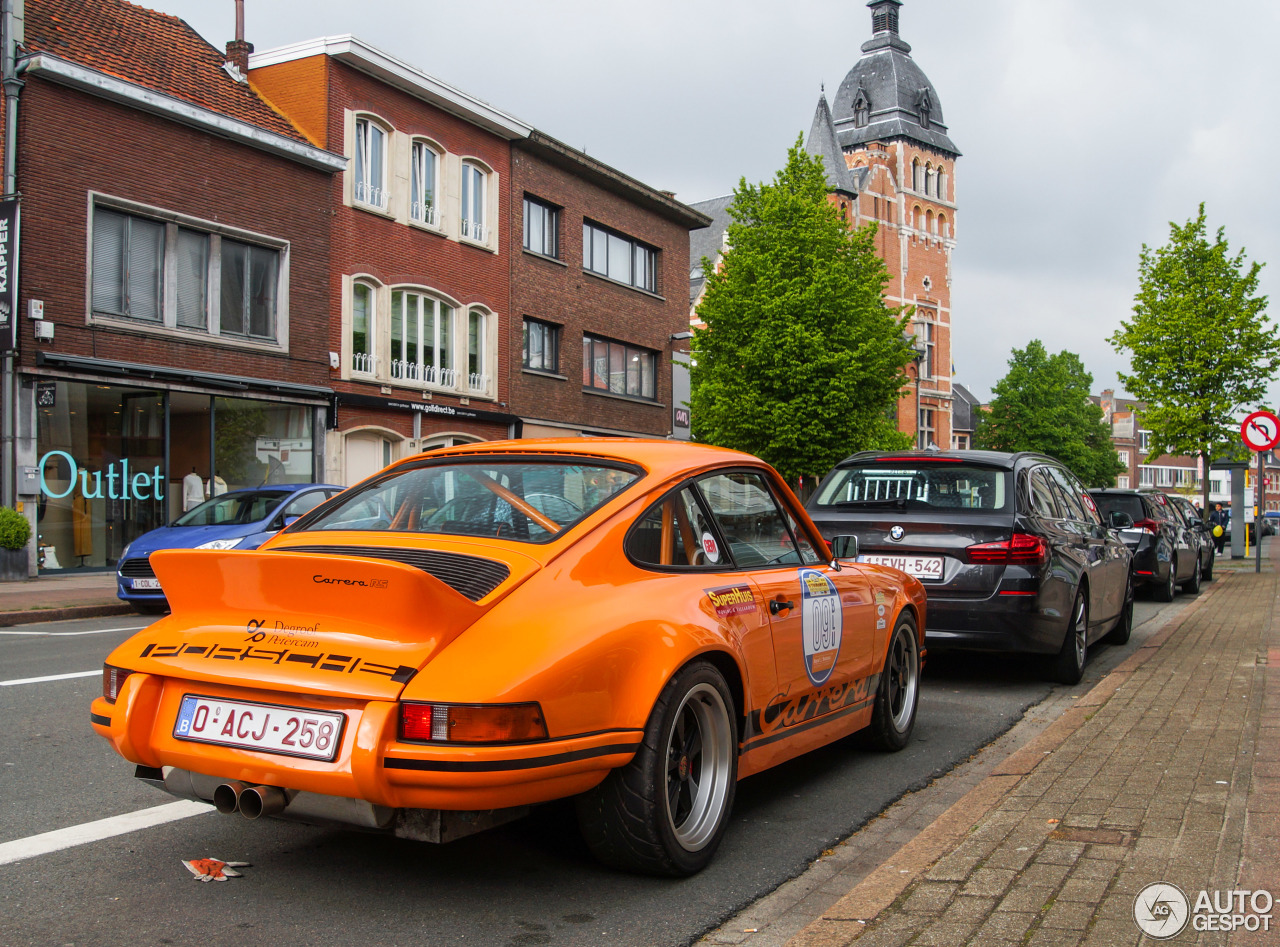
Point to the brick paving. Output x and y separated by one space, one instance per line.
1167 771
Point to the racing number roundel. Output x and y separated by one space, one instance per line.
822 624
1261 431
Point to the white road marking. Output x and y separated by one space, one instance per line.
51 677
59 839
70 634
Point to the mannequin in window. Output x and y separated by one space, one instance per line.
192 490
218 486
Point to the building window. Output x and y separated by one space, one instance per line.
617 257
370 164
945 225
133 257
1144 441
423 172
928 180
363 360
926 344
541 228
619 368
473 203
1147 476
1122 482
477 341
422 339
1124 457
925 431
942 185
542 346
861 109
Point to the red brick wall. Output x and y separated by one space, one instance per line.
71 143
579 302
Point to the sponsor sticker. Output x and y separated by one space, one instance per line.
822 624
710 548
732 600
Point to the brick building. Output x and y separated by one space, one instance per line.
890 162
175 243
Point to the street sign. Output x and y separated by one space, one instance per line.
1261 431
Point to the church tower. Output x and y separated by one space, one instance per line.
886 126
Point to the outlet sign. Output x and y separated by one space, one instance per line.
115 482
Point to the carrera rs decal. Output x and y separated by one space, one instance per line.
732 600
822 624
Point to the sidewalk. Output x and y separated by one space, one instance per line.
1167 771
55 597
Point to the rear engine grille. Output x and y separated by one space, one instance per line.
468 575
137 569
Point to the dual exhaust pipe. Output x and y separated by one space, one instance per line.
252 802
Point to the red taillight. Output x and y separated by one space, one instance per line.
112 681
1147 525
472 723
1020 548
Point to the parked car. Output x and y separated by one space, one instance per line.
637 624
239 519
1199 532
1009 547
1271 523
1167 553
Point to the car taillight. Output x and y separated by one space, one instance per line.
472 723
1020 548
112 681
1147 526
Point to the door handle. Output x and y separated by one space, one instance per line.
776 605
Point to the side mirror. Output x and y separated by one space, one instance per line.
844 546
1121 520
290 520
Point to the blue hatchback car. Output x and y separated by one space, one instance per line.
241 519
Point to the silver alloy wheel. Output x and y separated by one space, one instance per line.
903 669
1080 628
699 766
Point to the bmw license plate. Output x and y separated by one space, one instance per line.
140 584
922 567
288 731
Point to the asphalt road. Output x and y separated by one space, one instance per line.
528 883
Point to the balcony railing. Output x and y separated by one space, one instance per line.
367 193
477 381
473 230
362 363
406 370
425 212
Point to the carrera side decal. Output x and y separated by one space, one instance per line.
786 717
822 624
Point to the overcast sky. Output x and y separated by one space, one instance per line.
1085 127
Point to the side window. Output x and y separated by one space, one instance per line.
809 555
675 533
305 503
1068 495
749 520
1043 500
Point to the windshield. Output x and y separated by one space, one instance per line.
233 509
528 501
924 486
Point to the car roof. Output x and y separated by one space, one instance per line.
994 458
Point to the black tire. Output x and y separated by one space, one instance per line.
1124 624
1207 571
150 608
1068 666
1192 585
665 812
898 693
1166 592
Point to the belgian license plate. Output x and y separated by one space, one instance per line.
139 584
922 567
289 731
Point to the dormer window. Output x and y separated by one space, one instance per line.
925 106
861 108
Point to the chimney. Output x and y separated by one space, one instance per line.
238 50
1108 403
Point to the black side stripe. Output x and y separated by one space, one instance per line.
100 720
807 725
499 766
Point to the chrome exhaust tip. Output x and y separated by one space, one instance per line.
257 801
226 797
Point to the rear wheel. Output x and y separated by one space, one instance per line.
894 716
1166 591
1124 626
1068 666
1207 571
1192 585
665 812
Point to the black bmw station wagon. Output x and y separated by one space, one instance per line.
1010 548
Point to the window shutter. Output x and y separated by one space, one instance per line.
108 262
146 255
193 277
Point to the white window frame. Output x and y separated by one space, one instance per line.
477 347
365 189
1124 457
364 363
472 219
175 224
423 208
429 310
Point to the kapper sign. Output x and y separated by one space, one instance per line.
9 224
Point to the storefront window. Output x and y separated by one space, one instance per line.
260 442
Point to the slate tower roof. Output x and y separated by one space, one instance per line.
886 95
822 142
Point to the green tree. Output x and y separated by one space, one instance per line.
1043 405
1201 347
801 362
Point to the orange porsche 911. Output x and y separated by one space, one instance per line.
636 624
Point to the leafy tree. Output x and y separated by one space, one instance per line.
801 362
1201 345
1043 405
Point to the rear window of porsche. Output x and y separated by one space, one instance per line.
525 501
899 484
